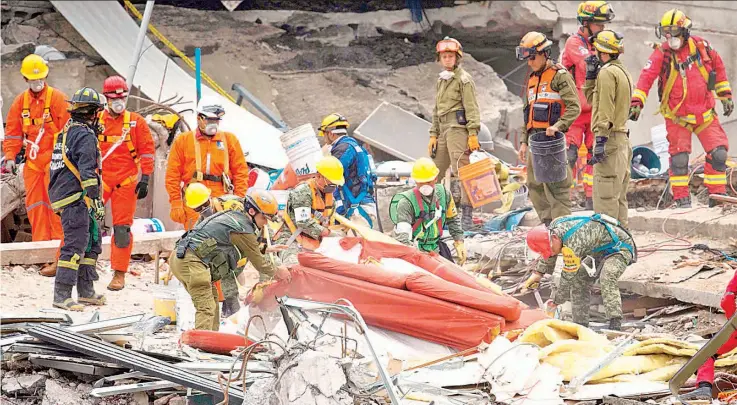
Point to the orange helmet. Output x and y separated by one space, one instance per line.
449 44
533 43
538 240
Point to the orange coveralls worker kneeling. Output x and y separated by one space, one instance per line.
126 145
205 155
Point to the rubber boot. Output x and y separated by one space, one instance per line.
118 281
684 202
63 297
87 295
48 270
715 203
615 324
589 204
467 218
703 393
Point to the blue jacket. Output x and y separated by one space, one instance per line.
359 178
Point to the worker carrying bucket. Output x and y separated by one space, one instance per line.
550 107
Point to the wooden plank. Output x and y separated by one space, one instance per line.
25 253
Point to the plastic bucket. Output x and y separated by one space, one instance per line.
286 180
480 182
142 226
549 157
304 158
649 159
165 306
295 135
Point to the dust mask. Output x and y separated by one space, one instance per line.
117 105
36 85
675 42
211 128
427 190
446 75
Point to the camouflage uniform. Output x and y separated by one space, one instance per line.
300 198
580 244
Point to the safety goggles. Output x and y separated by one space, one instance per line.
525 53
671 30
447 45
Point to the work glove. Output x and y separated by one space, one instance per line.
473 143
177 213
532 282
97 209
728 304
230 306
728 105
432 146
572 155
599 155
142 187
9 166
592 67
635 110
460 252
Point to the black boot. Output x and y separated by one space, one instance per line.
467 217
684 202
589 204
615 324
702 393
63 297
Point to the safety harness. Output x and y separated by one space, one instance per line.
27 121
125 137
426 233
613 247
200 176
324 207
365 176
58 205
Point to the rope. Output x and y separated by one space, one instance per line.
179 53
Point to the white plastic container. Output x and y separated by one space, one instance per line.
185 310
303 149
142 226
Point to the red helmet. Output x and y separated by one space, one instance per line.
115 87
538 239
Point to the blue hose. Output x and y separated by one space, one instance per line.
415 9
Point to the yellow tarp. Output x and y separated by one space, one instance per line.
547 331
663 374
573 364
662 346
581 348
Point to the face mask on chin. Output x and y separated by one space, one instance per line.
675 42
36 85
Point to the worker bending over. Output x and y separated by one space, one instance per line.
211 250
208 156
608 89
690 72
309 210
74 190
126 146
595 246
356 196
421 214
198 197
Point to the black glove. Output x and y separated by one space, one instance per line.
572 155
230 306
592 67
599 150
97 209
142 187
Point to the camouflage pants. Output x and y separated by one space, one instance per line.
580 284
287 256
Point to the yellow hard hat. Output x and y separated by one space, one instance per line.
332 169
449 44
34 67
167 120
262 201
424 170
228 202
533 43
333 120
196 194
595 11
608 41
674 22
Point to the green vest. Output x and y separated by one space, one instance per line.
427 234
210 241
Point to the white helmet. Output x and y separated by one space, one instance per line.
210 107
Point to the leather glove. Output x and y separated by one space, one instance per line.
432 146
177 213
98 209
728 304
473 143
10 167
230 306
572 155
592 67
728 105
533 282
599 155
142 187
460 252
635 110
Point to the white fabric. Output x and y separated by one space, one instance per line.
675 42
446 75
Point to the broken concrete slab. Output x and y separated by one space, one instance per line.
312 378
23 385
57 394
335 35
15 33
16 52
700 222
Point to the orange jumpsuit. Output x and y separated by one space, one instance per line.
120 176
182 169
25 119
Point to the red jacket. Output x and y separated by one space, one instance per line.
698 99
577 49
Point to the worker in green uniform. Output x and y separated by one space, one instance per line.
594 246
608 89
309 210
456 120
550 106
210 251
421 214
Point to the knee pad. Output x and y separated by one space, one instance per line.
679 164
122 235
717 157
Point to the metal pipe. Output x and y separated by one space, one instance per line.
198 72
139 44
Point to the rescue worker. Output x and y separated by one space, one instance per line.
705 374
34 118
608 89
551 106
197 197
208 156
210 252
309 210
356 196
74 190
689 72
126 146
594 246
592 15
456 120
420 214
